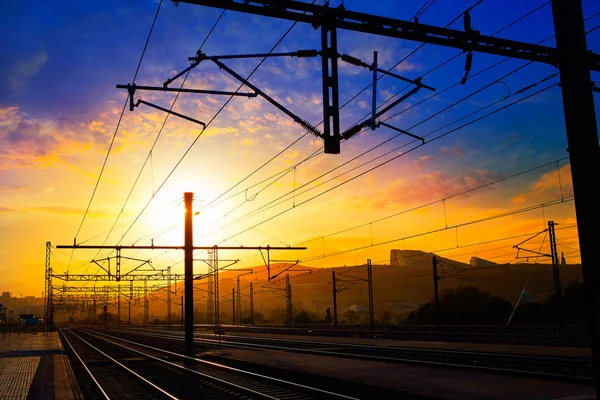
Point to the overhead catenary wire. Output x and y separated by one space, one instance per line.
446 198
436 94
317 125
207 125
393 137
400 155
262 208
137 70
490 218
112 141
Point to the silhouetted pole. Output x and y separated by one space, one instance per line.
251 303
181 310
288 300
584 152
370 286
119 306
188 198
335 320
233 303
436 291
555 272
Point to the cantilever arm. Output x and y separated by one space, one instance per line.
312 129
140 101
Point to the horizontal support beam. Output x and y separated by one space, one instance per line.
299 54
183 90
341 18
104 247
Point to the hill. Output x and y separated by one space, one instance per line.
397 289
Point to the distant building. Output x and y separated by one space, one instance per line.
480 262
563 261
405 258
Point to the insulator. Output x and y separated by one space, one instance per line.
309 127
467 21
352 60
469 61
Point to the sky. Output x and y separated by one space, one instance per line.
258 179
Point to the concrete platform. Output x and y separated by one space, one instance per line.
34 366
436 382
576 352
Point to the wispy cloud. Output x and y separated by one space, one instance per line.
70 211
25 69
551 185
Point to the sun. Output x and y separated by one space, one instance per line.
166 212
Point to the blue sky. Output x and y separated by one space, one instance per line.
59 108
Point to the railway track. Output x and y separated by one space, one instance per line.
577 370
114 367
535 336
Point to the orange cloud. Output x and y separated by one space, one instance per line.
70 211
551 185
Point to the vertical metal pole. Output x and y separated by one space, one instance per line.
46 289
216 288
233 304
130 297
118 257
331 104
335 320
288 300
188 198
182 311
251 303
238 303
169 297
210 304
584 152
291 305
436 291
119 305
370 285
374 98
145 302
555 273
555 260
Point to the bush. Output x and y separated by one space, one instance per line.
464 305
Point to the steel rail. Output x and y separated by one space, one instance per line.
213 364
85 366
365 346
511 371
132 372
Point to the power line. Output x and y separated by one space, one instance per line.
260 209
440 200
161 130
341 107
490 218
400 155
118 122
264 207
438 93
207 125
